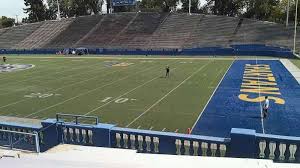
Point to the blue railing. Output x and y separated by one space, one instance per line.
243 143
168 143
20 136
278 148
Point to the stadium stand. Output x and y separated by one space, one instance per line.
213 31
14 35
139 32
175 31
74 32
146 31
48 31
254 31
106 30
3 30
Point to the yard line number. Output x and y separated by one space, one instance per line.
119 100
41 95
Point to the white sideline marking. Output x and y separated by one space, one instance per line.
97 108
138 127
75 83
221 70
261 109
163 129
84 93
211 96
153 105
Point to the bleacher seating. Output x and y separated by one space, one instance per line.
213 31
12 36
74 32
48 31
253 31
146 31
106 30
175 31
139 32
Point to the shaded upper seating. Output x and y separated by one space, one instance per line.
213 31
175 31
253 31
139 32
106 30
12 36
74 32
48 31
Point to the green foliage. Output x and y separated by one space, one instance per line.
158 5
6 22
70 8
195 6
36 11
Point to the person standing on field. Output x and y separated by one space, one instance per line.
167 71
266 107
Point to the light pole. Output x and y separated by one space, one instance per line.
190 5
17 19
58 10
287 13
296 22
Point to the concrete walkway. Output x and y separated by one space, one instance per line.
292 68
70 156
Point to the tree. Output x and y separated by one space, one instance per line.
6 22
227 7
36 10
259 9
70 8
195 6
158 5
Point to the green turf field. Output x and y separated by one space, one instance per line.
296 62
136 96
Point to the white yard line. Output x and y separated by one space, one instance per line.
141 85
81 94
41 76
52 80
153 105
163 129
261 109
211 96
75 83
97 108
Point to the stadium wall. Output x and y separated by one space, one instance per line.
234 50
243 143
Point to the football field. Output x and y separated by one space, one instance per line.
127 92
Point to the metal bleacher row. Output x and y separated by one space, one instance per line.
145 31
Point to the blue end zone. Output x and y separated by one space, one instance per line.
226 110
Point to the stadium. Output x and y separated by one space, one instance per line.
159 82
